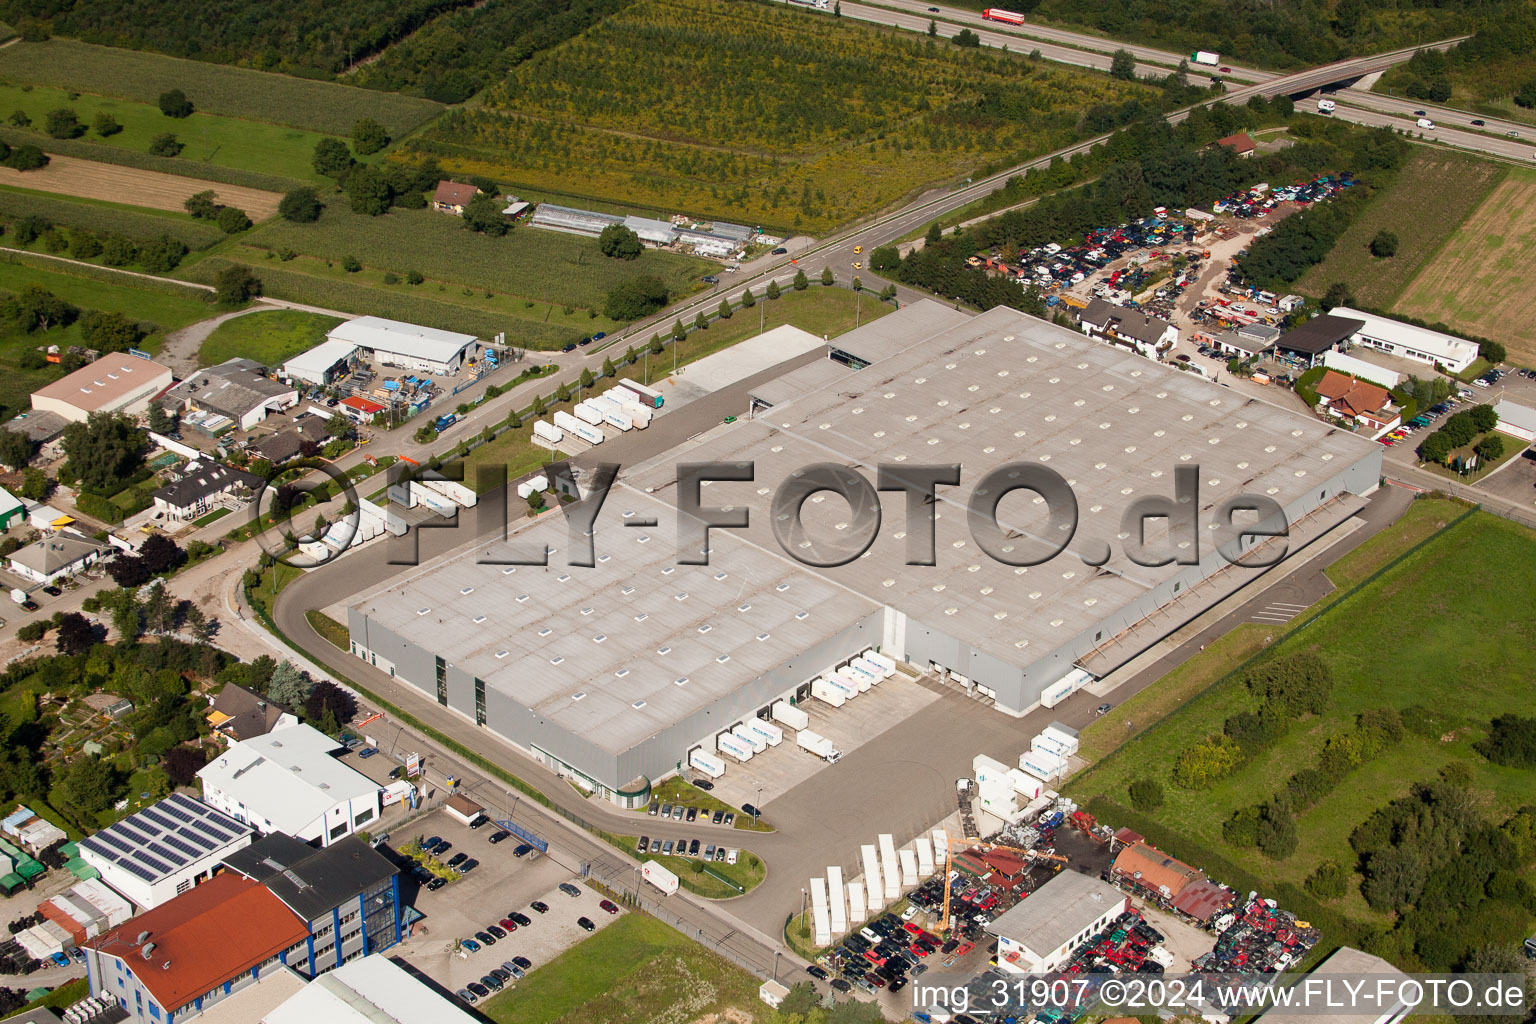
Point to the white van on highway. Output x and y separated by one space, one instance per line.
1425 122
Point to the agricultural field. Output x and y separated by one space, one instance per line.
1479 281
1443 628
87 179
791 120
208 138
1434 192
164 312
243 93
268 336
635 971
104 218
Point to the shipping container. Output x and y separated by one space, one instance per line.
1048 768
873 669
587 433
849 687
1048 744
1063 734
784 711
646 395
887 664
769 732
615 418
621 394
565 421
589 413
548 431
744 733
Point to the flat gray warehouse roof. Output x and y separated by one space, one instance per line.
618 652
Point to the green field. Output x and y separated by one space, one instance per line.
269 337
209 138
792 119
1447 627
1434 192
635 971
218 89
101 218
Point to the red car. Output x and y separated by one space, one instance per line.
874 958
609 906
912 928
919 950
509 924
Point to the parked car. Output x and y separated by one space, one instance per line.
485 938
512 969
704 784
507 925
478 989
523 962
839 985
471 945
436 884
522 850
570 890
491 982
457 859
730 819
693 848
693 813
819 973
609 906
467 996
653 809
477 823
521 918
500 836
711 279
677 813
719 816
52 591
666 847
366 753
780 251
585 924
643 844
498 931
719 854
539 907
752 810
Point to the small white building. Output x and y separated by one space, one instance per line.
114 383
155 855
62 554
1516 420
1361 368
1409 342
321 364
291 781
1039 934
409 346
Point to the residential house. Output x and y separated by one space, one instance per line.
452 197
237 714
1241 144
61 554
277 448
199 487
1121 325
1357 401
360 409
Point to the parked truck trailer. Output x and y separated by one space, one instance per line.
787 713
825 692
659 876
702 760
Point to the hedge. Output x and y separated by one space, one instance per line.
101 508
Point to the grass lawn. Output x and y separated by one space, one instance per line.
209 138
329 628
713 881
219 89
1513 446
1435 191
268 337
821 311
676 791
635 970
211 517
1446 627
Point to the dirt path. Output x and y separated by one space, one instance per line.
112 183
181 346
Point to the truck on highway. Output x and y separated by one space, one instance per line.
1007 17
444 422
1324 105
1205 58
817 744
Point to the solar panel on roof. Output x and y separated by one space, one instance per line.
172 856
132 835
112 841
196 838
208 829
136 869
186 847
165 824
175 811
153 864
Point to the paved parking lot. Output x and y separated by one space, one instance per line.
501 884
777 770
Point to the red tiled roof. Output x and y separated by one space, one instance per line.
1239 143
452 193
1350 395
366 405
208 935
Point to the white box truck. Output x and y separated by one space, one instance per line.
734 746
744 733
1205 58
817 744
1325 105
766 731
1048 768
565 421
825 692
707 763
784 711
659 876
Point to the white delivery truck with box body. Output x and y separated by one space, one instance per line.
1205 58
784 711
817 744
659 876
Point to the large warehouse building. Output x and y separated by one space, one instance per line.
114 383
614 673
410 346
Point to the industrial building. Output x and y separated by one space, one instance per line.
291 781
613 674
652 232
322 364
1353 964
1038 935
114 383
237 389
155 855
1422 345
409 346
571 221
1516 420
1327 333
371 990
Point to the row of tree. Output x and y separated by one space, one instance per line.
156 255
1459 431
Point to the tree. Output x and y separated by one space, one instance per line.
1490 448
105 125
483 213
159 420
204 205
1435 448
368 136
128 571
586 378
236 284
1483 417
748 300
35 484
679 332
160 553
36 308
16 449
932 235
165 144
288 686
231 220
75 634
724 311
159 609
182 764
174 103
161 254
826 273
91 784
1328 881
619 242
61 123
326 697
1146 794
772 291
933 28
635 297
300 205
28 158
103 451
1384 245
368 191
1123 65
966 38
109 332
801 281
700 322
1511 742
332 158
20 119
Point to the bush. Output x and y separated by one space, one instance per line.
1207 762
236 284
619 242
1511 742
300 205
1328 881
62 123
174 103
635 298
1146 794
368 136
230 220
1384 245
31 632
27 158
165 145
